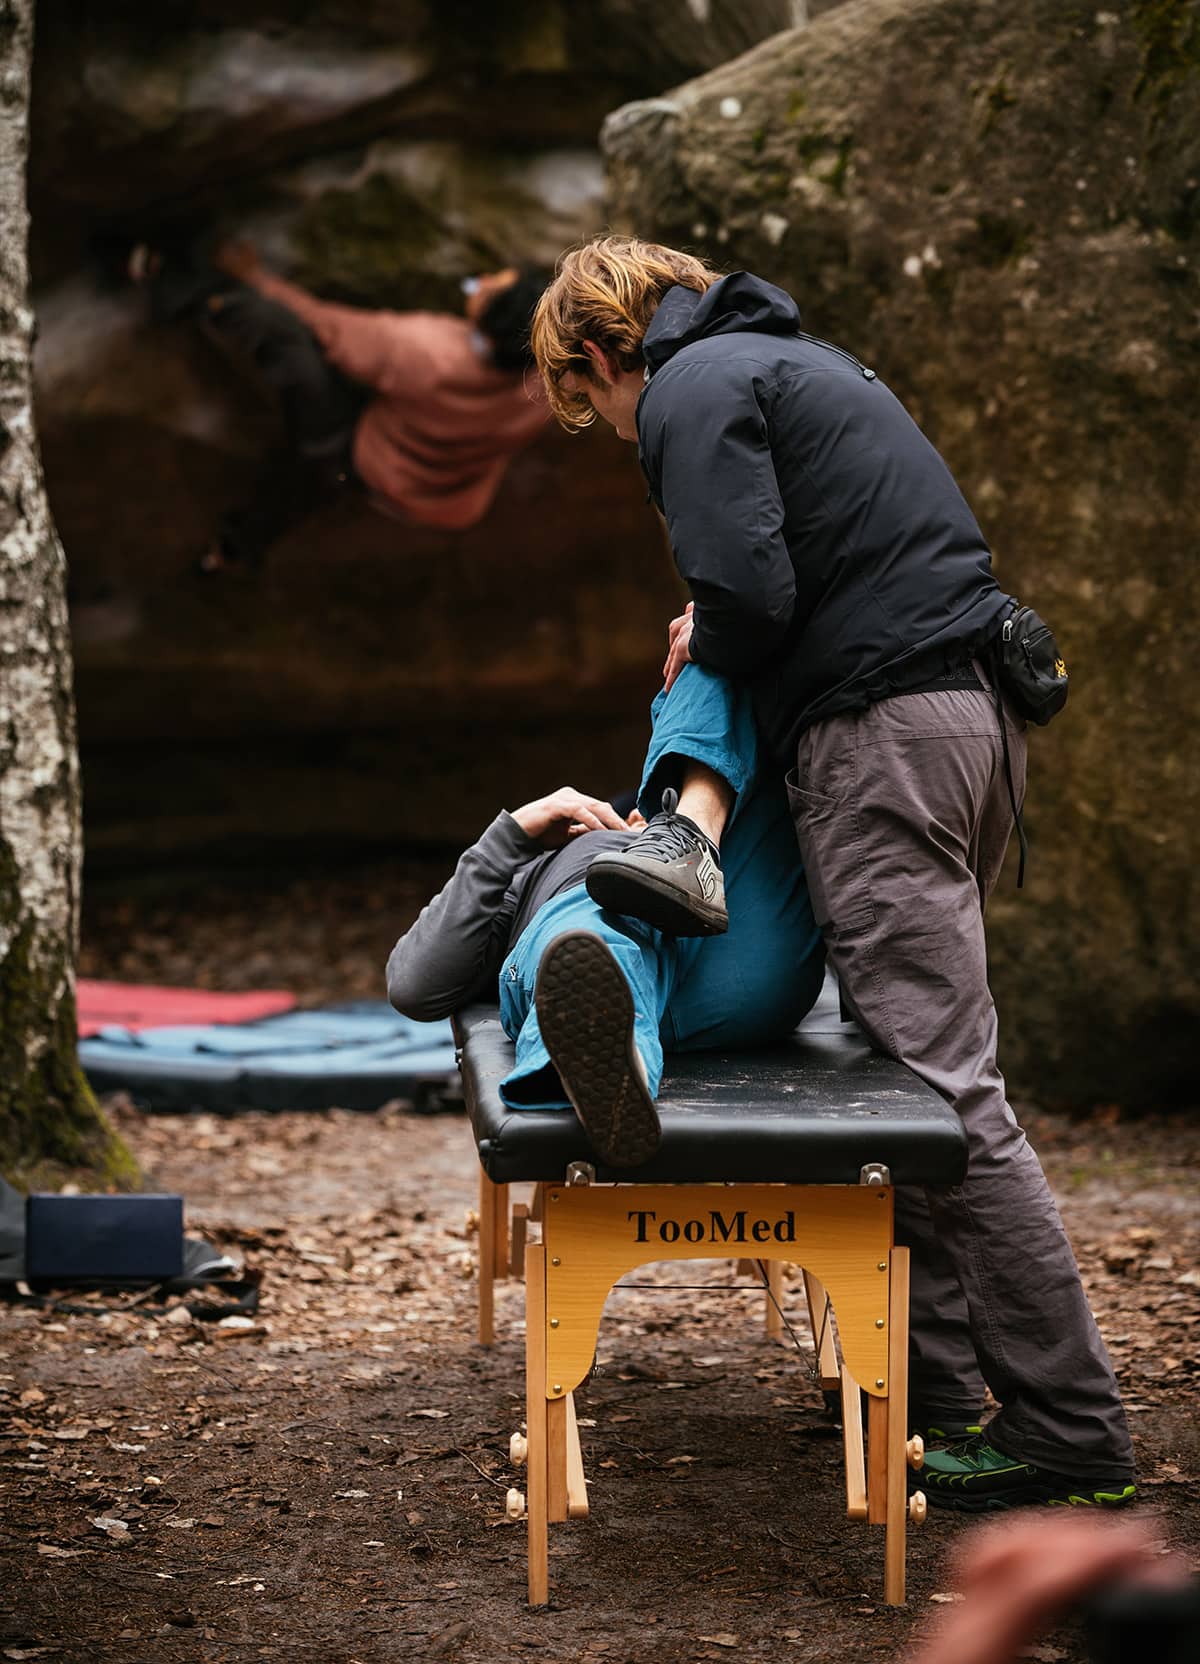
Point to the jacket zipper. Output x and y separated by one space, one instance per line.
816 341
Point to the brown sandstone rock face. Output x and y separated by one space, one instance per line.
378 682
994 202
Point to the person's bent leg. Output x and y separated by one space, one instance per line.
703 744
285 493
706 799
586 1014
702 757
758 981
896 811
704 721
320 409
582 994
320 405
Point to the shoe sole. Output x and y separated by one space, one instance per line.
1021 1496
641 895
585 1013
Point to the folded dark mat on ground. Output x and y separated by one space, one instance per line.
355 1056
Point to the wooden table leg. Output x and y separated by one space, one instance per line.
500 1226
520 1232
556 1459
487 1259
877 1460
897 1430
536 1498
822 1330
577 1501
852 1440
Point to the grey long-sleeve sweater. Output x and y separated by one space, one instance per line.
455 950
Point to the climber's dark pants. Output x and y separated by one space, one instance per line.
320 406
320 409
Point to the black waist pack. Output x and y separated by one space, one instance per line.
1029 667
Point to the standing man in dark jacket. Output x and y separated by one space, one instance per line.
835 566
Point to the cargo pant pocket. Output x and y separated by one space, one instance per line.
834 865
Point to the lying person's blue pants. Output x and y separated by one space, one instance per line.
749 986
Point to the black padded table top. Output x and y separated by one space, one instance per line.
813 1110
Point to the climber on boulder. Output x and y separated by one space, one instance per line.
422 411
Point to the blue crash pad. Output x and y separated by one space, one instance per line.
355 1056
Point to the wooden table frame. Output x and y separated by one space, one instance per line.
592 1235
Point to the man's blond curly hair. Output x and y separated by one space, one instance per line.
605 291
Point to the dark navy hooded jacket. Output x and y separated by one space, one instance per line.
827 548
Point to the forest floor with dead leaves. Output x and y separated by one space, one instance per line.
329 1482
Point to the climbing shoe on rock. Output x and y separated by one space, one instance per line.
585 1014
974 1477
669 876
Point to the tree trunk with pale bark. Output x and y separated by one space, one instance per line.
49 1121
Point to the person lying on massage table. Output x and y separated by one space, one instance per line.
593 999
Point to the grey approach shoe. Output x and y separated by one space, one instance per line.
585 1014
670 876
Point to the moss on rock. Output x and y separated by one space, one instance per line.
1169 31
372 244
51 1127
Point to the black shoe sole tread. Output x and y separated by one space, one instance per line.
585 1013
1032 1493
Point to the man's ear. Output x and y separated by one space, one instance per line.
604 365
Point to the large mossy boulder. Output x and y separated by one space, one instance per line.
995 203
379 683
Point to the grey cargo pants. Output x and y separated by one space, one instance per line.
903 817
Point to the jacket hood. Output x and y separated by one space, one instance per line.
738 304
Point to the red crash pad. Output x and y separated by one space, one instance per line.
128 1005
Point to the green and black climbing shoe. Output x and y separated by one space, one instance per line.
585 1014
974 1477
670 876
938 1433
